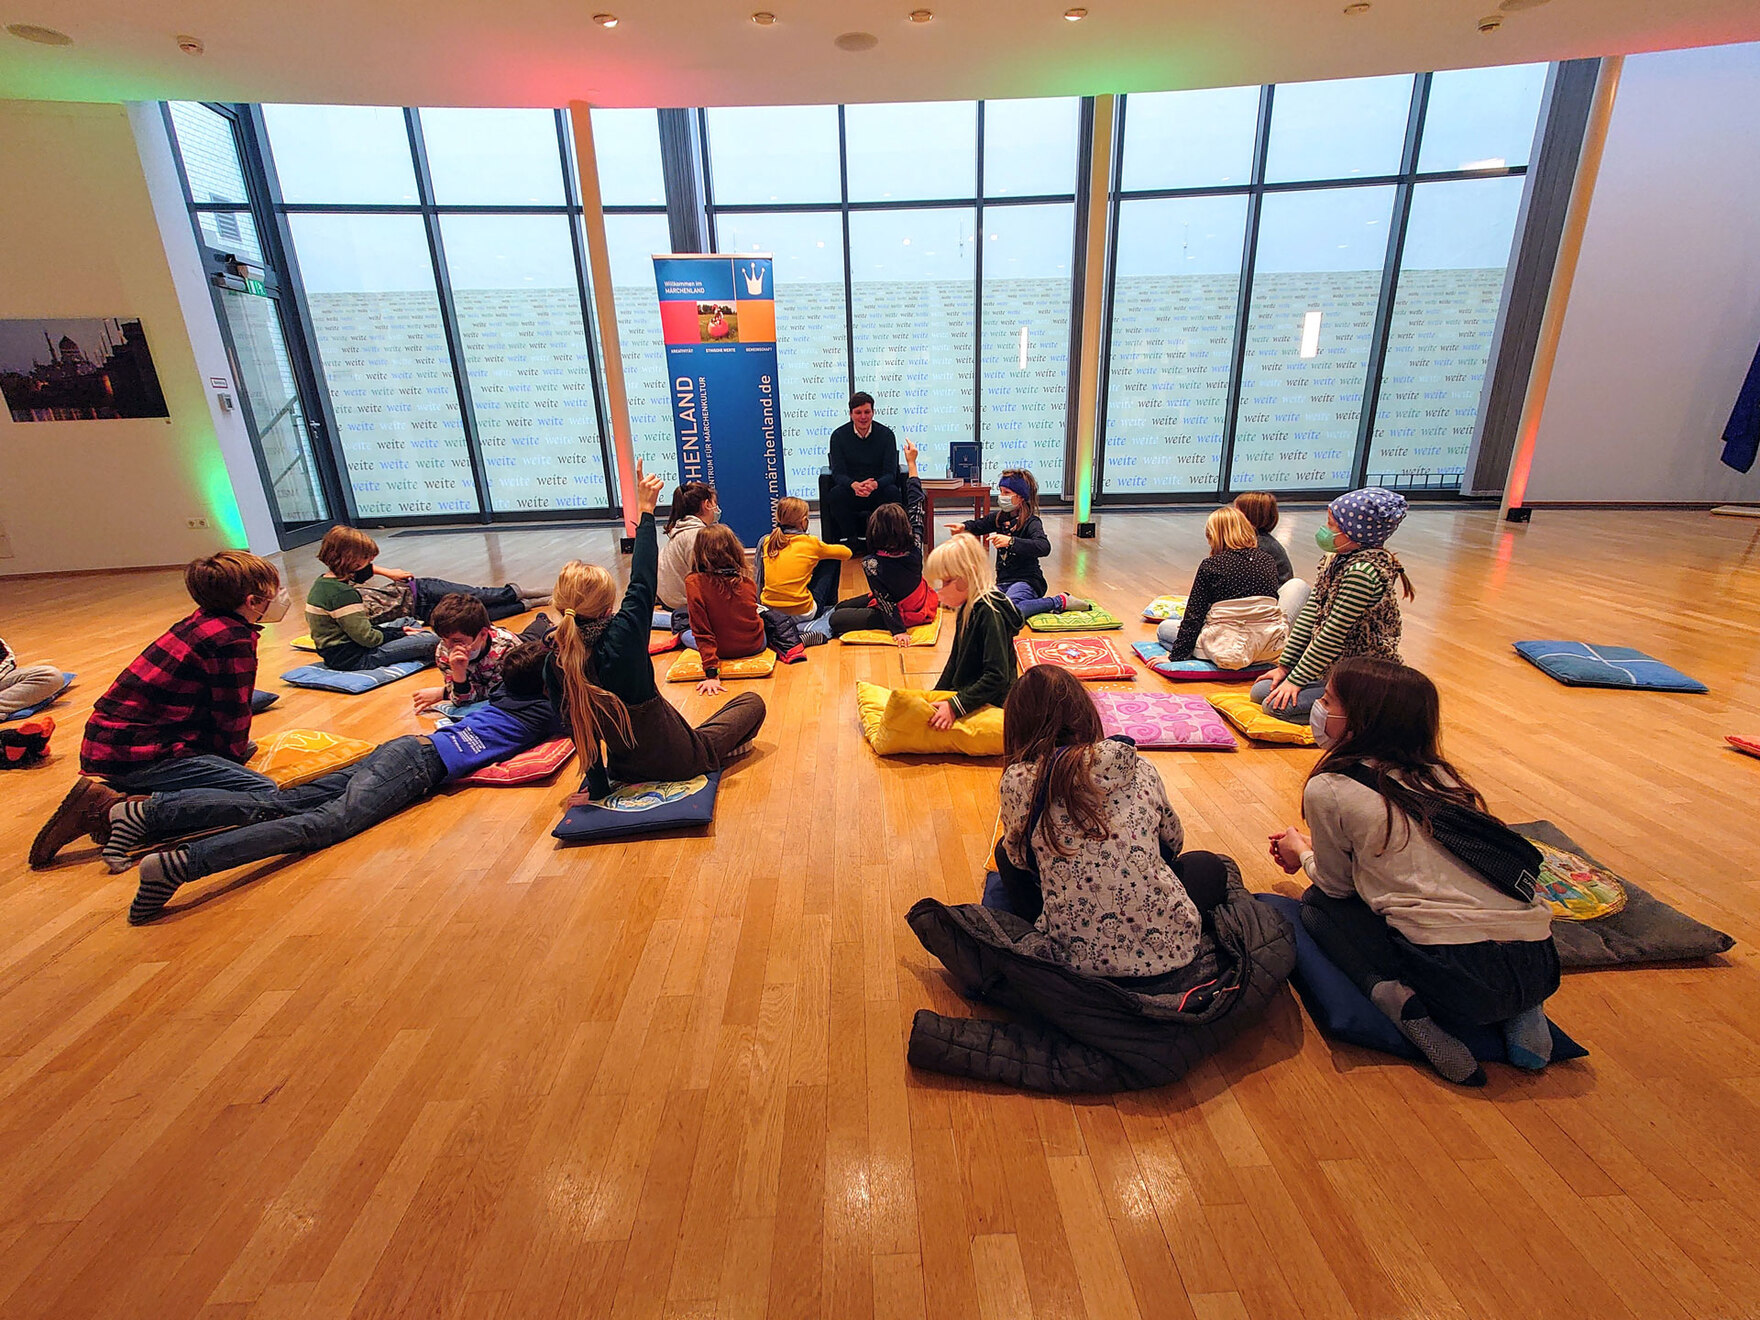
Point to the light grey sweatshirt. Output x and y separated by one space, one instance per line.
1414 884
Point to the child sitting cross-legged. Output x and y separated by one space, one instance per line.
24 686
469 655
797 572
981 667
1018 536
899 597
1090 845
269 822
1232 616
727 623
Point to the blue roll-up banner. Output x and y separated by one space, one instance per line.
718 317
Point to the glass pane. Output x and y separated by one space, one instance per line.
627 146
210 155
913 287
370 286
785 153
1026 339
1030 147
265 378
1481 118
1173 314
915 152
811 345
525 352
1337 130
1189 139
231 231
493 157
1316 280
633 240
341 153
1458 242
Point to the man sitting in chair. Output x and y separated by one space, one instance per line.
864 467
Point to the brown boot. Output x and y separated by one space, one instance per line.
85 810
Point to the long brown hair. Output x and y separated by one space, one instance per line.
719 555
1050 719
791 521
585 593
1393 719
688 501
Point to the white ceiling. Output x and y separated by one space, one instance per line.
708 52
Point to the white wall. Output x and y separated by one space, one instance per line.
1664 315
79 238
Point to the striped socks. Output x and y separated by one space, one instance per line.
128 829
161 874
1445 1051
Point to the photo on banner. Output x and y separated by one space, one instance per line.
718 317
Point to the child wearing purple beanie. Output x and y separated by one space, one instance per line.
1353 609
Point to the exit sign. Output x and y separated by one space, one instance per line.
256 287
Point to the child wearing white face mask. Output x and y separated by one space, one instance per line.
1417 926
1018 536
469 655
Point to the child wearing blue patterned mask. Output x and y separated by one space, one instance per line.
1353 609
1018 536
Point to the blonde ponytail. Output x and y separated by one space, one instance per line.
586 591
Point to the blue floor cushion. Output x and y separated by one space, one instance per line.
261 700
1579 664
1154 654
28 711
1342 1011
641 809
1641 929
351 680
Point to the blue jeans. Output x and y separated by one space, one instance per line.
394 650
501 602
1305 699
190 772
1021 593
268 823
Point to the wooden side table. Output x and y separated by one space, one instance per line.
951 488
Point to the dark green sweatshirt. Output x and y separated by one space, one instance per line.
981 668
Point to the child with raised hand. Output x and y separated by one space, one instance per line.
693 508
1416 927
981 667
469 655
339 620
797 573
1353 610
24 686
727 622
1017 534
1232 617
899 596
601 678
1090 845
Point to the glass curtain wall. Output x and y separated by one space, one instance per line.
923 253
1306 278
443 268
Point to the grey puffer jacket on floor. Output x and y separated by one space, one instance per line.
1087 1033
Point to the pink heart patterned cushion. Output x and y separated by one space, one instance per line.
1164 719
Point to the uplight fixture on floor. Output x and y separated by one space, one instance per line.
1310 336
1074 15
605 20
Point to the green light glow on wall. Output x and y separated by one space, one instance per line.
216 487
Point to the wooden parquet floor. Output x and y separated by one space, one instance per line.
449 1069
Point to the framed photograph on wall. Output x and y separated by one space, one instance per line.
78 370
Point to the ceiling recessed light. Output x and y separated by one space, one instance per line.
1074 15
922 15
1361 7
856 41
190 45
764 18
1490 23
605 20
43 36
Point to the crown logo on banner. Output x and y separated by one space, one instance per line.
754 277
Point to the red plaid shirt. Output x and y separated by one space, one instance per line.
188 694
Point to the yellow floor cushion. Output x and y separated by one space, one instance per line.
688 668
1257 723
298 756
924 634
303 642
896 720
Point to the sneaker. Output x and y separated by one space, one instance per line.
85 810
793 655
1075 604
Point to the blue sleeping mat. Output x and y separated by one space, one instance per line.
352 681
